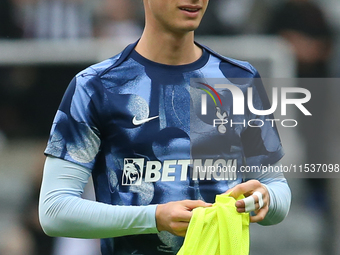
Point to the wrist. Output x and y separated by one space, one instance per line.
268 194
158 216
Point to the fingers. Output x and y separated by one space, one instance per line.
246 188
188 205
175 216
250 203
257 199
260 215
179 228
181 215
192 204
260 210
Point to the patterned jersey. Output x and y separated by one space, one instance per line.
140 127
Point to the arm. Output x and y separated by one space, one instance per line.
280 199
63 212
279 196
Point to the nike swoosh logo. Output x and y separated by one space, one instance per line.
140 122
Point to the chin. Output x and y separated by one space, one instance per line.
191 27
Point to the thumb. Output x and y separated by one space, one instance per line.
234 192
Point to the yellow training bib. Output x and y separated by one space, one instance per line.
217 230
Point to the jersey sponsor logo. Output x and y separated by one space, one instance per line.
132 172
137 169
140 122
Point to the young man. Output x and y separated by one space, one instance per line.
127 121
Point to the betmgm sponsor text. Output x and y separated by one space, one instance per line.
137 170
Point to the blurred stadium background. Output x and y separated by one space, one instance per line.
44 43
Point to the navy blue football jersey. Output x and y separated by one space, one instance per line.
138 125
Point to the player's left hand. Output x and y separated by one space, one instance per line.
248 189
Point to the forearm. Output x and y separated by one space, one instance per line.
280 197
63 212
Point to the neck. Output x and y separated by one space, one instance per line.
168 48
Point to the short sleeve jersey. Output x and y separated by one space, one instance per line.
138 126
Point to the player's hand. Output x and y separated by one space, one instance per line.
174 217
247 189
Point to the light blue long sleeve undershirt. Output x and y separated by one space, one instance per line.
279 196
62 211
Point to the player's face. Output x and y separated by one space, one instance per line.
175 15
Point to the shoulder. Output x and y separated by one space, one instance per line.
98 69
102 68
237 66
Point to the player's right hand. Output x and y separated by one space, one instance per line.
174 217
